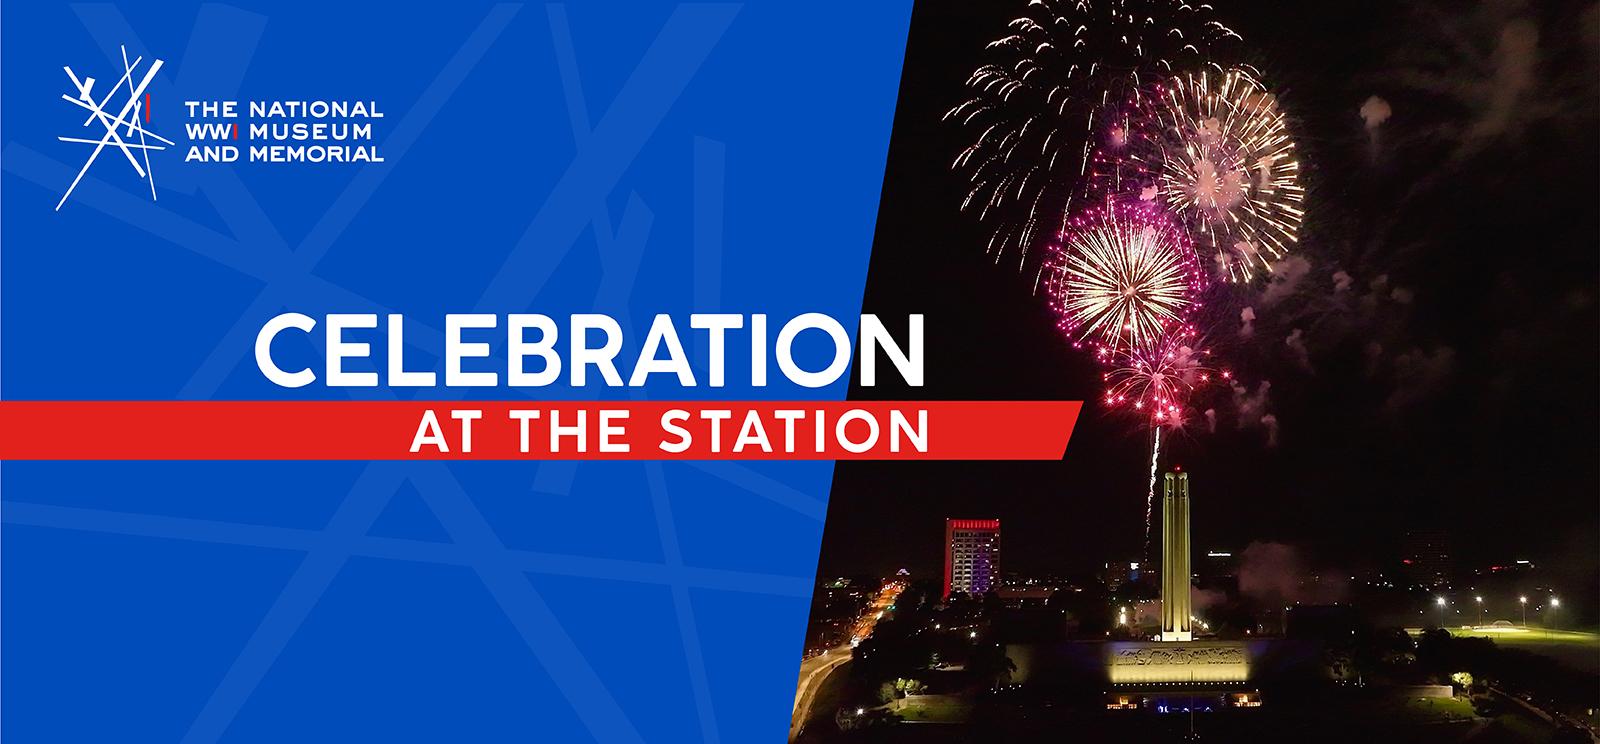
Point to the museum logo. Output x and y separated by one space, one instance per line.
117 116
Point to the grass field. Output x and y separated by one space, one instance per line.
934 709
1576 649
1511 635
1432 710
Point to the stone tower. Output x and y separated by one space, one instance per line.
1175 572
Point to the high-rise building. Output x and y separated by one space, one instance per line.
1219 564
971 556
1427 556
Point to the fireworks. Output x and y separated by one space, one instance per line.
1053 79
1157 382
1125 276
1191 157
1215 150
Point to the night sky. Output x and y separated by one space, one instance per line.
1451 383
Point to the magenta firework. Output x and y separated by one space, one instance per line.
1157 382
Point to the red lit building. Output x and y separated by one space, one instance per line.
971 556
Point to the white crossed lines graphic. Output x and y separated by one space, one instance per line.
122 120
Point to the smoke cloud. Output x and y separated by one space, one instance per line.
1374 112
1286 276
1275 574
1270 423
1252 408
1516 58
1203 599
1298 350
1418 374
1374 355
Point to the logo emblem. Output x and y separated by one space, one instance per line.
129 119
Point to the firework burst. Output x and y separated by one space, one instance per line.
1215 150
1158 382
1125 276
1034 108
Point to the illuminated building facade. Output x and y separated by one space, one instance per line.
971 556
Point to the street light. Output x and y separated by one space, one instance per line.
1524 602
1555 604
1440 601
1480 611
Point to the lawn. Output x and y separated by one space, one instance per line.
934 709
1535 634
1432 710
1574 649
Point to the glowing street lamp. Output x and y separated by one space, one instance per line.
1524 602
1440 601
1480 611
1555 604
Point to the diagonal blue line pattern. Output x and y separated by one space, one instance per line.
566 666
321 564
765 487
533 619
578 199
394 548
621 261
709 171
353 198
668 65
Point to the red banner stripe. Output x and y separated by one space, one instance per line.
622 430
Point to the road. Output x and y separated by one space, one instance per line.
813 672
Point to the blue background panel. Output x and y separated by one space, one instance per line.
631 159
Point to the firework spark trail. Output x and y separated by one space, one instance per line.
1150 495
1055 78
1159 383
1215 149
1126 280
